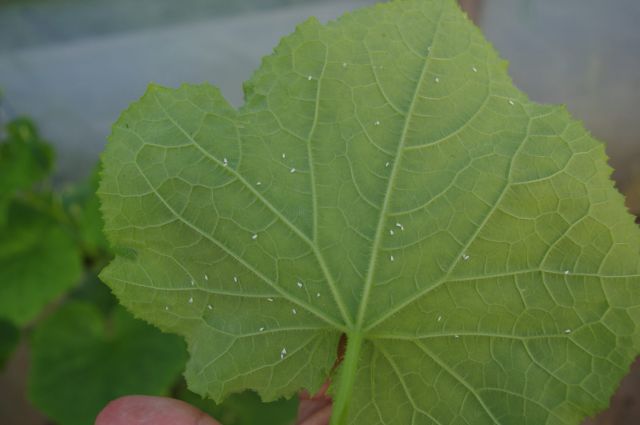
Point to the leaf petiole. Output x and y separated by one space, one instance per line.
344 391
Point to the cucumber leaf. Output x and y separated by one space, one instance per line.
39 261
83 359
245 408
384 180
9 337
24 160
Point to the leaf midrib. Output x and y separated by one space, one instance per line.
444 279
394 172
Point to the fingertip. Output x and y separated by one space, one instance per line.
147 410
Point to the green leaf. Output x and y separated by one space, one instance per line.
24 160
246 409
385 180
38 263
82 205
9 336
81 360
92 290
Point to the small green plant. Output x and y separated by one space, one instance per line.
384 180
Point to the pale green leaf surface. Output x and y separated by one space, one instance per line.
82 359
385 162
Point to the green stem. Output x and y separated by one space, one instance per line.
347 378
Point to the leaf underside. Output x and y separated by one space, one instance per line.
384 178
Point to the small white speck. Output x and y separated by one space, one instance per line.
344 64
318 294
293 170
283 353
191 300
235 279
465 257
387 164
567 331
299 284
391 232
437 79
511 102
206 277
474 69
377 122
261 329
439 319
166 307
258 183
255 236
293 310
392 258
209 306
193 283
225 162
284 155
566 272
400 226
309 78
270 300
456 336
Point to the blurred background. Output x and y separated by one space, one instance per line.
67 69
